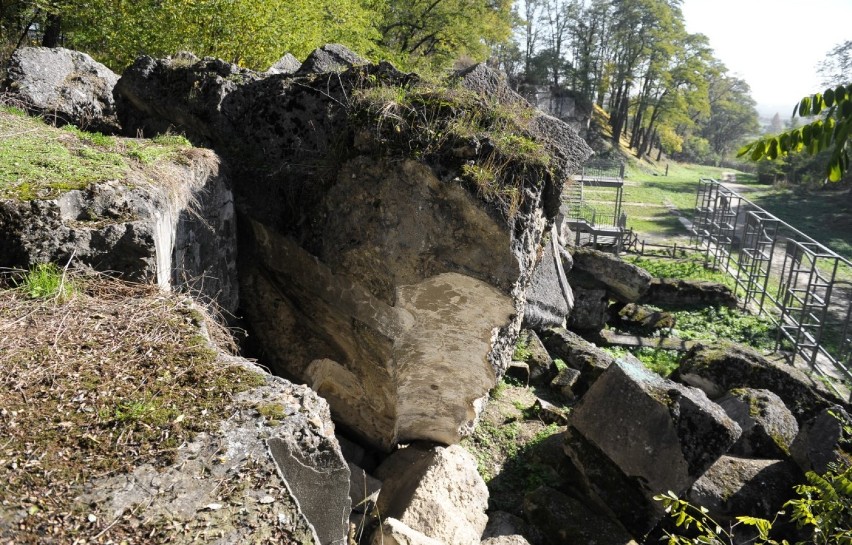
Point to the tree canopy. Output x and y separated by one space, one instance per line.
660 85
255 33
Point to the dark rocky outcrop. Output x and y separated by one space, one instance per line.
63 86
390 286
768 426
735 487
824 440
673 293
181 233
562 519
725 366
578 354
594 269
634 435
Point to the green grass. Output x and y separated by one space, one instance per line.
823 214
38 161
690 268
46 280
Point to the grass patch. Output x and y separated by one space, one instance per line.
690 268
46 280
663 362
111 378
38 161
488 143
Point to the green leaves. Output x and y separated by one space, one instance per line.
829 133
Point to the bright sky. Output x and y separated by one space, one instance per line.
774 45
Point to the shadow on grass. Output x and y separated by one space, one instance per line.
658 225
673 186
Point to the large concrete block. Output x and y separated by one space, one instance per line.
635 434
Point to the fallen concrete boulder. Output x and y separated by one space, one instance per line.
723 366
436 491
328 58
634 435
594 269
675 293
288 64
642 319
823 440
769 428
562 519
578 354
590 311
368 254
538 360
504 529
64 87
394 532
734 487
565 381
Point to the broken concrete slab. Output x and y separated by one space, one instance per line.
319 481
594 269
436 491
394 532
768 426
722 366
563 519
736 486
578 354
675 293
635 434
823 441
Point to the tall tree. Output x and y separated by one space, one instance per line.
437 32
732 115
836 68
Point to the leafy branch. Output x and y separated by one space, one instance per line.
829 132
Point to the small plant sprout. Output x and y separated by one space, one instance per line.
46 280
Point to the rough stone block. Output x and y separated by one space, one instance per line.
768 426
578 354
674 293
723 366
735 487
394 532
63 86
562 519
822 441
436 491
635 434
549 297
591 309
594 269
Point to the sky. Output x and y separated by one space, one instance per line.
775 45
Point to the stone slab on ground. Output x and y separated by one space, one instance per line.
635 434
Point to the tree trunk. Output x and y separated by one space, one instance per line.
52 30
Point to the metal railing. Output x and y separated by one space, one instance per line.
802 286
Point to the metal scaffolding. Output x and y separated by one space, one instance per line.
595 224
802 286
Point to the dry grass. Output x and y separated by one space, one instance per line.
116 376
